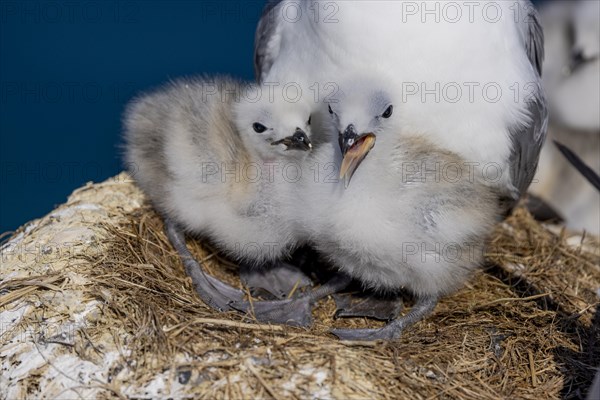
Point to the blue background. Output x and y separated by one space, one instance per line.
68 68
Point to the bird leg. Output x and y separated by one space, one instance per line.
216 294
423 307
367 305
295 311
279 280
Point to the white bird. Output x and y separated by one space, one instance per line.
464 83
572 82
467 74
213 156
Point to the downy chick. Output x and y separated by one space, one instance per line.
213 155
415 215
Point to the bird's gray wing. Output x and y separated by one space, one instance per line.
267 39
534 38
528 138
527 141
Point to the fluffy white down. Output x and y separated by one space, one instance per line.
462 72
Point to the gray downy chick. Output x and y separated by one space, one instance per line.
412 215
213 155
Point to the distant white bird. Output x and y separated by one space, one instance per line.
572 63
211 154
572 83
463 84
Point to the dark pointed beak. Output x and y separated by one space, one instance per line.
355 148
298 141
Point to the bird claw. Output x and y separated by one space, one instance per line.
293 312
386 333
278 281
222 296
394 329
349 305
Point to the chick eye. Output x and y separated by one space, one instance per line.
388 112
259 128
330 110
309 118
577 57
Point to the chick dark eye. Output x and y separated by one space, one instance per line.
309 118
259 128
330 110
388 112
577 57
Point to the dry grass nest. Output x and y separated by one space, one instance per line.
526 326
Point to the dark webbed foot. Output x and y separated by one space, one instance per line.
295 311
278 280
213 292
394 329
367 305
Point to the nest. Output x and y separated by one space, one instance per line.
113 314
